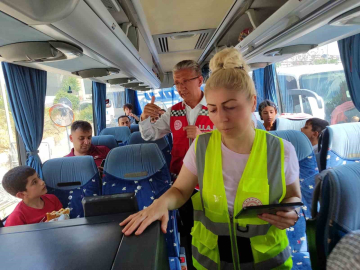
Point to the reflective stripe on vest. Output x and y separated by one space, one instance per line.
263 179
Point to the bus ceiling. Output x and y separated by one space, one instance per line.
144 39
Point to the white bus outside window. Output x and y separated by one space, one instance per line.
321 72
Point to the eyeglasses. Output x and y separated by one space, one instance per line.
177 84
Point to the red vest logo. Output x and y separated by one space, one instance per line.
251 202
177 124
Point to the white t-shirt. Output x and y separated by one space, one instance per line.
233 165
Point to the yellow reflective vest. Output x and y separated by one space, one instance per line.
262 182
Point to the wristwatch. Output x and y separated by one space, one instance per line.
297 213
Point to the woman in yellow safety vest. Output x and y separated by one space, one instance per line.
235 166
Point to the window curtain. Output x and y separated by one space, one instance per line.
286 99
258 78
26 88
265 84
119 99
270 83
99 92
132 98
350 57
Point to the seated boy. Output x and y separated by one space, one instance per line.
23 182
312 129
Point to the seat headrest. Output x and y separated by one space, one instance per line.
134 128
260 125
286 124
135 138
134 162
346 186
121 134
343 140
69 169
106 140
298 139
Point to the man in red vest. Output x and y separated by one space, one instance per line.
185 120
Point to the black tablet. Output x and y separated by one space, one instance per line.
254 211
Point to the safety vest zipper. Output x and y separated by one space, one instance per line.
234 248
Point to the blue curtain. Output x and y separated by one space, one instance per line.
99 92
350 57
132 98
286 99
26 88
265 84
119 99
270 83
258 78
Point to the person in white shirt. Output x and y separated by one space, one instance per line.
312 129
185 120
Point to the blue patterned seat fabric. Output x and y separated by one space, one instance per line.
337 192
106 140
121 134
340 145
308 171
69 170
141 168
163 144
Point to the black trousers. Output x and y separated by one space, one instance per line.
185 223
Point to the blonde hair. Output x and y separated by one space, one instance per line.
230 71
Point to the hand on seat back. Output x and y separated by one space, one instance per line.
142 219
151 110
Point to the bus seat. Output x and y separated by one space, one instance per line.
337 191
286 124
340 145
106 140
169 138
308 171
71 179
345 254
3 222
141 168
162 143
121 134
260 125
134 128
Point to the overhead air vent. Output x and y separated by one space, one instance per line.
40 51
120 80
132 84
96 72
182 41
163 44
203 38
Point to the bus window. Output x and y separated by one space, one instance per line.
55 142
8 148
116 96
164 98
320 71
